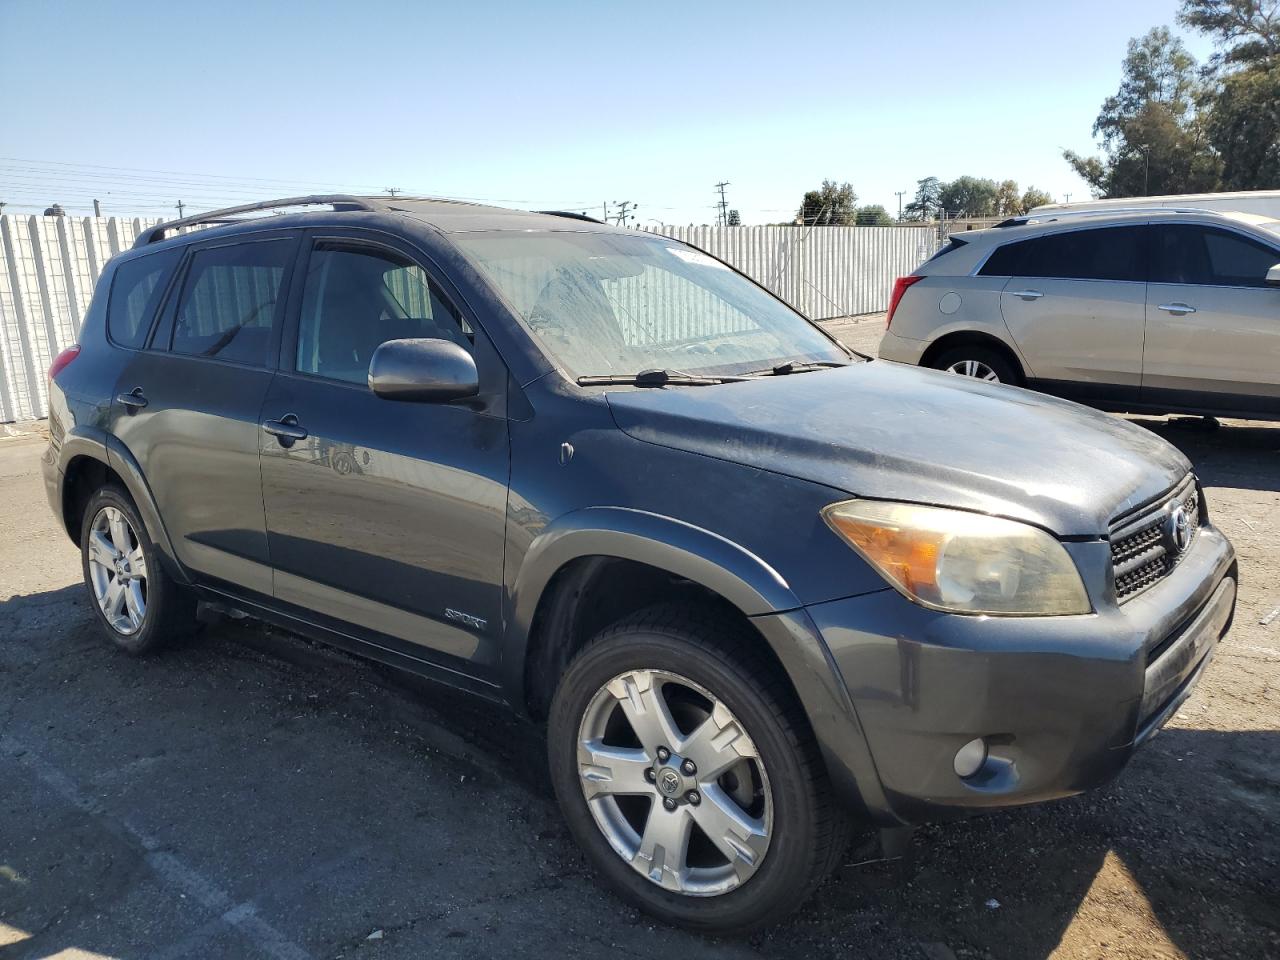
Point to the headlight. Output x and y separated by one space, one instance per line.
962 562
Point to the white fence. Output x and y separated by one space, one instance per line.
48 267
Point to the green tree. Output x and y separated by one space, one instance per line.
874 215
969 197
926 204
1153 139
1248 31
1008 202
1034 197
1241 106
832 204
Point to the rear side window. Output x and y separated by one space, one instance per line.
1004 261
136 290
230 301
1211 257
1110 253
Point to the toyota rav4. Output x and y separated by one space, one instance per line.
759 588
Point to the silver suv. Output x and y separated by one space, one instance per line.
1163 311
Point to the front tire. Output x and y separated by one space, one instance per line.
137 604
689 776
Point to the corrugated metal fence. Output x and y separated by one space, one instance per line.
48 267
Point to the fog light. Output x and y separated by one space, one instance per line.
970 758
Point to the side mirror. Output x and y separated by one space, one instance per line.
1273 275
423 371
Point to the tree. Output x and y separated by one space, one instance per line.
926 205
969 197
1033 198
1008 202
831 205
1241 106
873 215
1153 139
735 218
1247 30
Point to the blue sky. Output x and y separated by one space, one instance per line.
548 104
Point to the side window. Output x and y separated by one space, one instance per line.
1109 253
136 290
1004 261
357 297
230 301
1203 255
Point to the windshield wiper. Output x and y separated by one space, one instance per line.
657 378
801 366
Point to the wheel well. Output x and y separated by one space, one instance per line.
973 338
591 593
82 478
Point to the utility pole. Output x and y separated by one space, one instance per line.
901 194
625 211
722 214
97 207
392 191
181 206
1146 167
1068 196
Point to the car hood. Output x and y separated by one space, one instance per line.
885 431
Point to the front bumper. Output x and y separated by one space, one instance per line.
1062 702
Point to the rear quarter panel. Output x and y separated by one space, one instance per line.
940 305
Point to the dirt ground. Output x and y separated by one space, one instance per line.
250 794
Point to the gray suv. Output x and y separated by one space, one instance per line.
1144 310
759 588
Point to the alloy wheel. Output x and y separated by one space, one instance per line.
675 783
118 571
974 368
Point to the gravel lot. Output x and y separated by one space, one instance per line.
250 794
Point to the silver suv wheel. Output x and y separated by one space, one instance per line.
973 368
118 571
692 812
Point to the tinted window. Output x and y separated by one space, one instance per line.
230 301
1114 253
136 290
357 297
1190 254
1004 261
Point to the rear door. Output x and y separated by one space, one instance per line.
187 405
1075 305
385 519
1213 322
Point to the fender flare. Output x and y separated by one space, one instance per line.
680 548
96 444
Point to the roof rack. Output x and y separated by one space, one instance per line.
339 201
571 216
1050 215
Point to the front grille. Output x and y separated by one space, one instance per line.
1143 547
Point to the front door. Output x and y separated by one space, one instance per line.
1213 322
1075 305
385 519
188 406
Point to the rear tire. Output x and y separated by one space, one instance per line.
982 363
772 805
137 604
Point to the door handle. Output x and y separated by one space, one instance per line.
1177 309
1027 294
133 400
286 430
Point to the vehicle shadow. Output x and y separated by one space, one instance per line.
1181 849
1238 453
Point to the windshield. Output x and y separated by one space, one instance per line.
603 304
